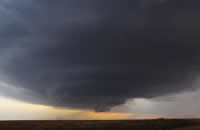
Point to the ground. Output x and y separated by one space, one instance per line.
157 124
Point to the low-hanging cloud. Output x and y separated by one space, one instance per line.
99 53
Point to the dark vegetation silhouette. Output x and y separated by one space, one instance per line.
158 124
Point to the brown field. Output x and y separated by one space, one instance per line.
159 124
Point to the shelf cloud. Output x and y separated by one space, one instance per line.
96 54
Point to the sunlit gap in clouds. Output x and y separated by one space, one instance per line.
170 106
12 109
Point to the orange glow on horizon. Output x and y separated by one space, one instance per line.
14 109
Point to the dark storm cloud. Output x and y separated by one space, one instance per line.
99 53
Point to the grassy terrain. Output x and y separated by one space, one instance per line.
160 124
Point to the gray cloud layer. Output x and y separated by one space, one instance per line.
99 53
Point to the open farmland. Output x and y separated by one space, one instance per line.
160 124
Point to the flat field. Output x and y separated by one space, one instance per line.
158 124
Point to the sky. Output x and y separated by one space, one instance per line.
99 59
